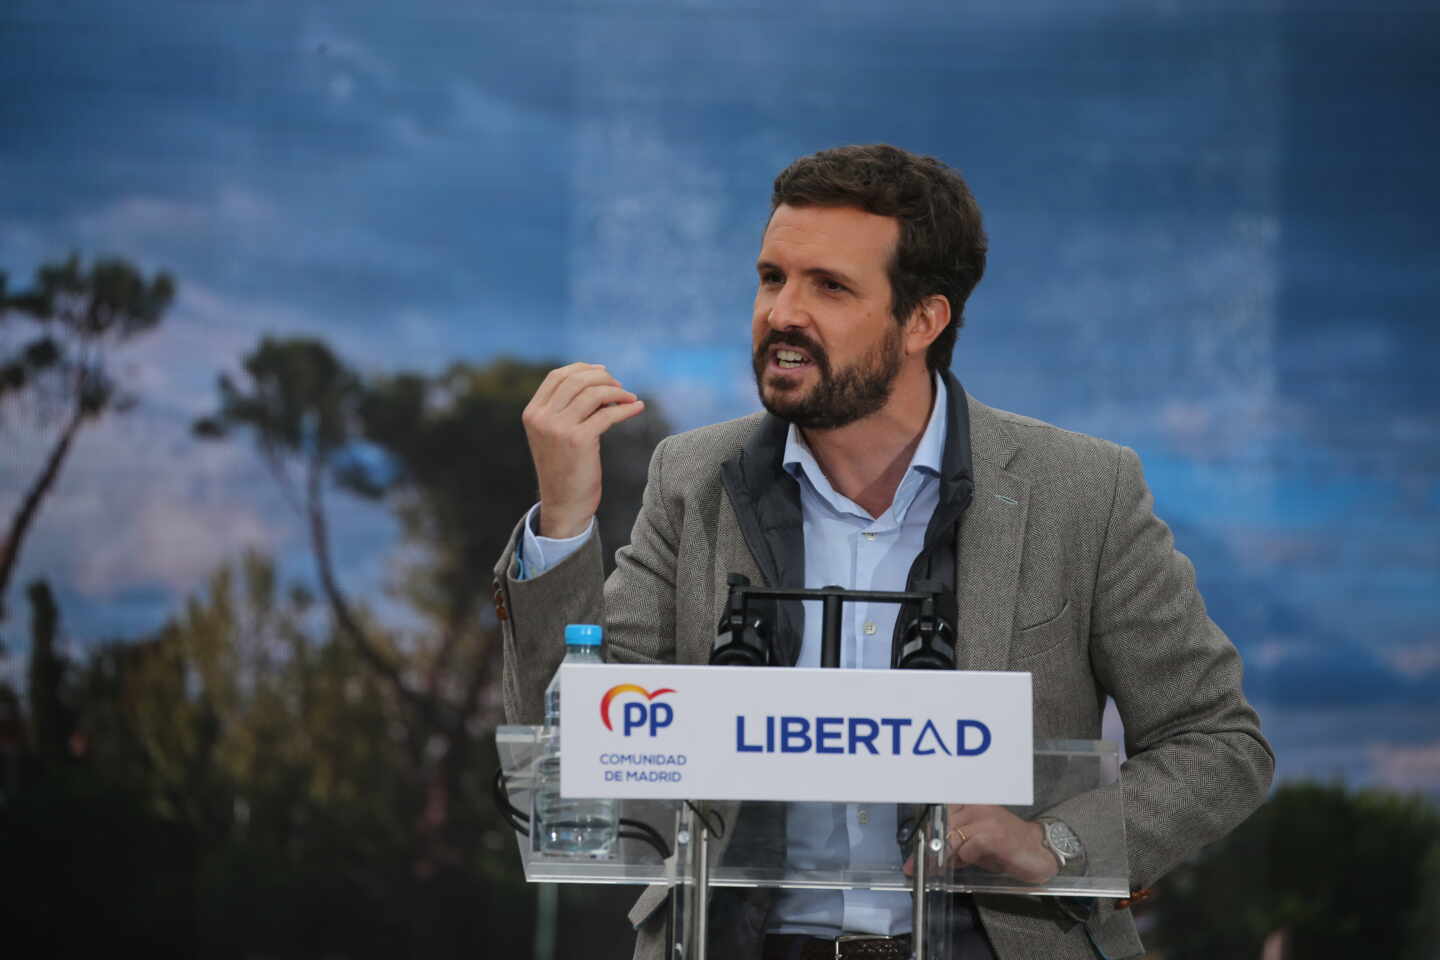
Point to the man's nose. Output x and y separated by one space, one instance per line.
786 312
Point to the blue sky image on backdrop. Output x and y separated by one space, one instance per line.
1212 238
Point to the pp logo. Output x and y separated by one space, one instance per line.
638 714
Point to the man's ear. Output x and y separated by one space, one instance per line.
929 319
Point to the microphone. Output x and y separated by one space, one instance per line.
928 642
743 638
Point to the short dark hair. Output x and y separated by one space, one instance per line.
942 239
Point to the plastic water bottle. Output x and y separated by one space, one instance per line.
566 826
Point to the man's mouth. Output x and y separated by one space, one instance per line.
790 359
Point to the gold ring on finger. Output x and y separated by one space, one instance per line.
960 834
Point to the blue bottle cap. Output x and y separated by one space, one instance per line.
583 635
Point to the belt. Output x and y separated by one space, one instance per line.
862 946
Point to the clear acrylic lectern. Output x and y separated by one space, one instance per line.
733 844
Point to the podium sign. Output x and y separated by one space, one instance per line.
746 733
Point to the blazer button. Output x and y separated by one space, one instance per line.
499 597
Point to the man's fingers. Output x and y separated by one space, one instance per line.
972 832
957 815
573 423
957 842
606 417
576 386
594 399
994 839
976 851
562 383
555 378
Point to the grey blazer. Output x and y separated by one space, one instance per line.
1064 571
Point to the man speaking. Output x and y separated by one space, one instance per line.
872 469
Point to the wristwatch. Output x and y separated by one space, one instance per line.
1060 840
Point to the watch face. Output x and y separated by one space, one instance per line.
1063 839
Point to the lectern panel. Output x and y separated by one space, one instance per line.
840 845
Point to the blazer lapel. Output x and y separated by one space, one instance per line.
992 538
732 555
766 504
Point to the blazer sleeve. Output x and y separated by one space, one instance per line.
636 605
1197 763
533 614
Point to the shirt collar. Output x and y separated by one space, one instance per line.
799 460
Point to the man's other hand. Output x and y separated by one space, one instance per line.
994 839
573 406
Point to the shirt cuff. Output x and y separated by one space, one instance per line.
538 554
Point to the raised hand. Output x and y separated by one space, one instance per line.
573 406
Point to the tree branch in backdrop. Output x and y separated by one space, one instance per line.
61 368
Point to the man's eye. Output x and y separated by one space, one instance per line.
771 277
832 286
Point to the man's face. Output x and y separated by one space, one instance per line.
826 348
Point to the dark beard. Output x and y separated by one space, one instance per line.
839 399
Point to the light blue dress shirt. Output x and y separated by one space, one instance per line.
844 546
